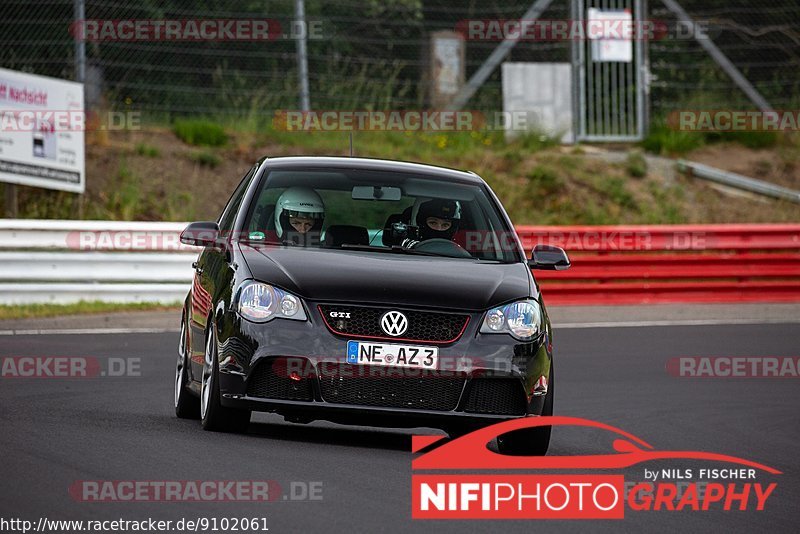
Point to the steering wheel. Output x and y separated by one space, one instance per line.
442 247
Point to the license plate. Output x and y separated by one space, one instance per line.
367 353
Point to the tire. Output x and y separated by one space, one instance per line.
213 415
187 406
530 441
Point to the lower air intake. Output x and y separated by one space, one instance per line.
391 387
281 378
497 396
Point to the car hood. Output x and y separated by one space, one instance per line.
369 277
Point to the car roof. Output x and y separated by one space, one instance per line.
331 162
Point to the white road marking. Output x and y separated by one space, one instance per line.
88 331
685 322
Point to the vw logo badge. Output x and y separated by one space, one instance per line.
394 323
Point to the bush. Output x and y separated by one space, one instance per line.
636 165
748 139
206 158
149 151
618 193
665 140
125 200
535 141
544 181
200 132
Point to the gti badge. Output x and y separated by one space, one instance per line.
340 315
394 323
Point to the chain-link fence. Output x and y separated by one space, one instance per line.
760 37
368 54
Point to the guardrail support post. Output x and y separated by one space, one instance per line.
11 201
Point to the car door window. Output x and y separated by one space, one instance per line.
228 217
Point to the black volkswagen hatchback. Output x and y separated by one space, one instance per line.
367 292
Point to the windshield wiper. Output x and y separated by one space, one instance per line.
252 242
411 251
365 248
395 249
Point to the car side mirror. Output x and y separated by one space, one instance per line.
549 258
200 234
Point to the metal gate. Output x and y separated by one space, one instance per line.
610 89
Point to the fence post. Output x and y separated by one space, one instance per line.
80 42
302 54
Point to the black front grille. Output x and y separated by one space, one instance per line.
281 378
365 321
500 396
390 387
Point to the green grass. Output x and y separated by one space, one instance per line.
199 132
753 140
125 200
534 142
636 165
618 193
544 180
148 151
538 181
206 158
26 311
666 141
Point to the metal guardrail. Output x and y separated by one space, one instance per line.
62 261
731 179
92 235
677 263
58 293
96 267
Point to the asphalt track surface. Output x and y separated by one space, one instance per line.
57 431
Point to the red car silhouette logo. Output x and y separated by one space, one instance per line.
471 451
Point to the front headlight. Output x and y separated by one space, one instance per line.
260 303
520 319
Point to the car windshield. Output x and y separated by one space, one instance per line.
379 212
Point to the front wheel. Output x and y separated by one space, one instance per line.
530 441
214 416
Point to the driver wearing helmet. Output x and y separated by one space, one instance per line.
299 213
436 219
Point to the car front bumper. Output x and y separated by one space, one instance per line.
244 346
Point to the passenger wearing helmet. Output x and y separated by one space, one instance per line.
438 219
299 214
